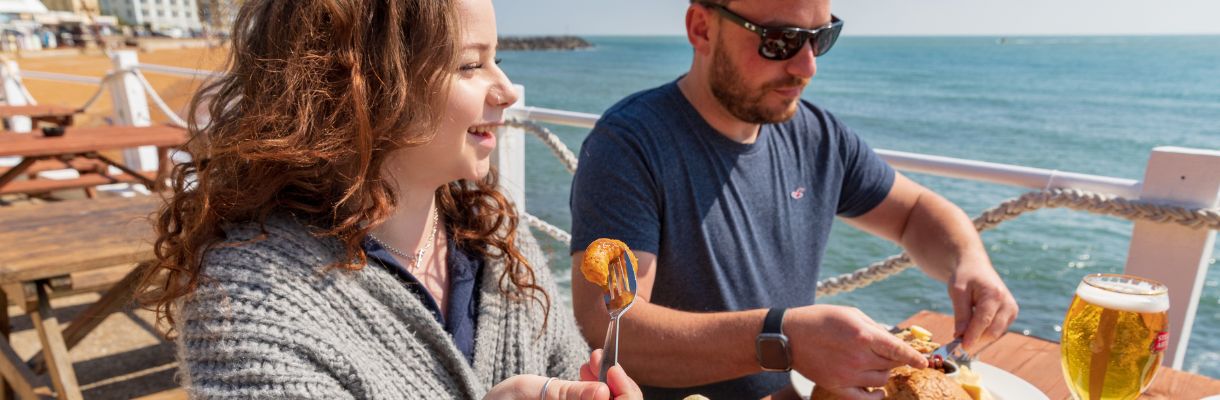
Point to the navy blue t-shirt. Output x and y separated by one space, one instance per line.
464 271
734 226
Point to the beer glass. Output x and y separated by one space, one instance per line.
1114 335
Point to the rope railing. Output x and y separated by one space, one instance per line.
156 98
1097 203
97 94
180 71
103 85
550 139
1080 200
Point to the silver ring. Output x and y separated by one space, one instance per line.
542 394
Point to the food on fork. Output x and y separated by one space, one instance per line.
599 256
906 383
919 338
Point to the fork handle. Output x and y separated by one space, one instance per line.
610 349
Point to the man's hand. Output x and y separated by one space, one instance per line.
844 351
983 308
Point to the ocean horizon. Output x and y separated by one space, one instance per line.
1087 104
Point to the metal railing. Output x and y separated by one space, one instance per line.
1174 254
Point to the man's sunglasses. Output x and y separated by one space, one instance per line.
782 43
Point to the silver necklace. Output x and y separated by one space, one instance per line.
418 257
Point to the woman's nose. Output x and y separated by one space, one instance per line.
503 94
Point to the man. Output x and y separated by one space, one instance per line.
726 184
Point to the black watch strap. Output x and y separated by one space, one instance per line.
772 345
774 323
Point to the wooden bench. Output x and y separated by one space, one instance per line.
85 181
78 164
87 144
58 115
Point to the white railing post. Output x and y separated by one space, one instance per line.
14 96
509 156
131 108
1174 254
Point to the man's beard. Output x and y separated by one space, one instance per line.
730 89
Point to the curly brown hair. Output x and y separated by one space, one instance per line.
316 95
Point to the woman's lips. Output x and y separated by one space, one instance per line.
485 139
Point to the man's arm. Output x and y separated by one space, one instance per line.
942 240
670 348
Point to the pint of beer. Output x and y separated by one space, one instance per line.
1114 335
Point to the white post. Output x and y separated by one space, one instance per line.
14 96
131 108
509 156
1174 254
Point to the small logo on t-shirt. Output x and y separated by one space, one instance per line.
798 193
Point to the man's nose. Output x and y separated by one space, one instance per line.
804 64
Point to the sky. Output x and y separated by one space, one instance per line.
883 17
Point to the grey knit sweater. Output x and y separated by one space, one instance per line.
271 321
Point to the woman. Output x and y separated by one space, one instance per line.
339 234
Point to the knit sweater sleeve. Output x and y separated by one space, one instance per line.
240 337
566 347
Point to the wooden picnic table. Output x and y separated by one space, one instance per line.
1037 362
58 115
48 251
87 143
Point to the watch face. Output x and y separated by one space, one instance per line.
773 352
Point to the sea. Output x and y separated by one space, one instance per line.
1094 105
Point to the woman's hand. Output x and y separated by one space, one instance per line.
529 387
621 386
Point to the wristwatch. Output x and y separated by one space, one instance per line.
772 345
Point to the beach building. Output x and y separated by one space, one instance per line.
218 15
16 19
74 6
175 18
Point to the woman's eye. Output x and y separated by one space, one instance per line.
498 60
472 66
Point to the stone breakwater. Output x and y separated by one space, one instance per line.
543 43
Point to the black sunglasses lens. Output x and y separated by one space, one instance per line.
781 45
824 40
775 47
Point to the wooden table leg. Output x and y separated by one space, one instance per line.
164 167
115 298
6 328
16 374
149 183
16 170
63 377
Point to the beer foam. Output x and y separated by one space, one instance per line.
1132 296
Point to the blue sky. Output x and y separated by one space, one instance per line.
884 17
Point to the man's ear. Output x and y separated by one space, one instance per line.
698 28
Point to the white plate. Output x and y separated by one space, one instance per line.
999 383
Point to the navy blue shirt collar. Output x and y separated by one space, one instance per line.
464 266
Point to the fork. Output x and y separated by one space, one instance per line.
621 283
953 354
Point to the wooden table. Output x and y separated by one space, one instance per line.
87 143
46 248
1037 362
58 115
